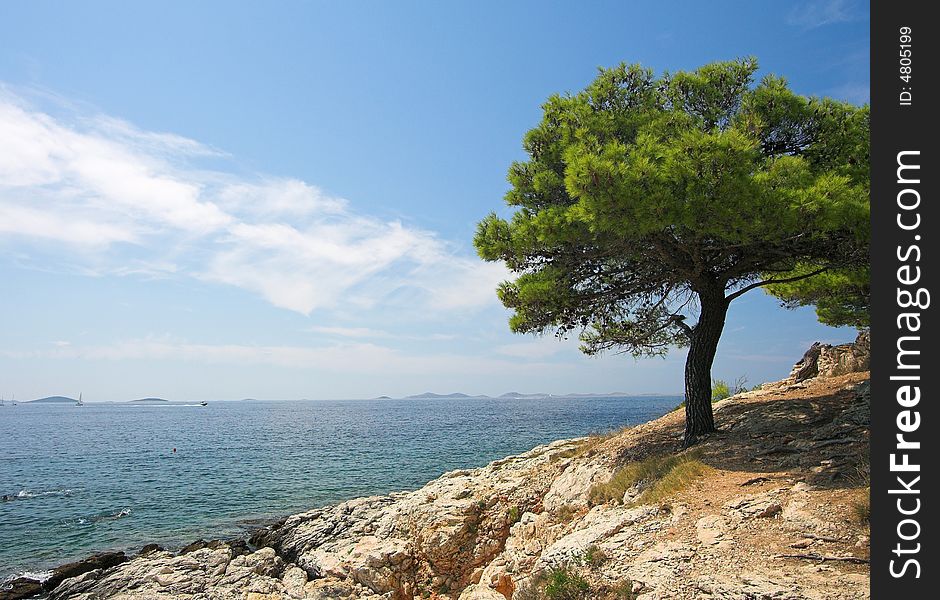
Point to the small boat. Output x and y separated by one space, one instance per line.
203 403
79 402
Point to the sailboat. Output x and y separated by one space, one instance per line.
79 403
13 399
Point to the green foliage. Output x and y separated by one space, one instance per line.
720 390
641 195
513 515
563 584
841 297
662 477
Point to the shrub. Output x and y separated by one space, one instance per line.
663 476
740 385
861 507
623 590
514 515
594 556
565 513
563 584
720 390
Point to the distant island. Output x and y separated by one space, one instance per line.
53 400
517 395
432 395
423 396
520 396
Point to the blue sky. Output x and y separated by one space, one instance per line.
277 200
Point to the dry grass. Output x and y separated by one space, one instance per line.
661 476
861 507
861 504
589 445
677 479
565 513
594 556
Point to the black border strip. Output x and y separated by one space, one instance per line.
904 271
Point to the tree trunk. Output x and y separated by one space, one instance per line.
703 344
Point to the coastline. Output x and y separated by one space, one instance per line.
237 462
778 491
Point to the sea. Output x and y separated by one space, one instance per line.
117 476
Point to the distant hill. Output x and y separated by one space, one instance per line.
53 400
432 395
607 395
517 395
148 400
383 398
521 396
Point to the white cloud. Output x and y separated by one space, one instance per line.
26 222
48 166
274 197
347 357
132 202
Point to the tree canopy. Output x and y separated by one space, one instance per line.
841 296
647 200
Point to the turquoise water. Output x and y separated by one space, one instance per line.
104 476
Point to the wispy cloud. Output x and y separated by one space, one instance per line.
103 195
348 357
818 13
374 334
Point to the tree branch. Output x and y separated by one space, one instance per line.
748 288
679 320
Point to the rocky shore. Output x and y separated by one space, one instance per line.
776 510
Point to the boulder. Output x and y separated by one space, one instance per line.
21 587
150 549
825 360
102 560
480 592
